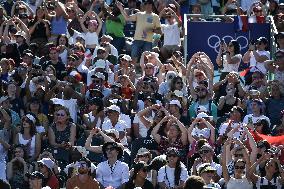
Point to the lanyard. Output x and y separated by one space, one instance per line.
112 168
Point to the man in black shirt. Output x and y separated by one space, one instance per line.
55 62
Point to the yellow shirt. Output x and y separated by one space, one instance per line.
145 23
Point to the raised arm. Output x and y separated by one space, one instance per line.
189 131
183 130
131 18
224 161
154 132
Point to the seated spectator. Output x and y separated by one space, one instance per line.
29 137
194 182
176 135
35 179
174 173
46 168
207 173
112 172
83 179
138 178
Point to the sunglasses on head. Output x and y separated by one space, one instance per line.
239 167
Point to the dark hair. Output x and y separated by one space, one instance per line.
265 126
38 8
173 82
23 148
66 38
137 167
237 47
177 172
33 125
4 184
194 182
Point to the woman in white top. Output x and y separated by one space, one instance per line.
174 173
93 30
229 57
239 179
29 137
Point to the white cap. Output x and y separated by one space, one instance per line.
178 93
202 115
100 64
127 57
113 131
47 162
114 108
73 73
175 102
143 151
201 109
99 75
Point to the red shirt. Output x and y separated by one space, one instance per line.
53 182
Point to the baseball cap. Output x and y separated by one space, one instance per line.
47 162
206 167
114 108
126 57
100 64
113 131
142 151
175 102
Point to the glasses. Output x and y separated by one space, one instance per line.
147 67
203 152
143 156
239 167
70 10
179 82
97 81
109 149
238 155
200 89
60 114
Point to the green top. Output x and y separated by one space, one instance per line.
115 28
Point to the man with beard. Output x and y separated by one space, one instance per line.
83 179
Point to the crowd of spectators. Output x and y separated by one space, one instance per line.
96 94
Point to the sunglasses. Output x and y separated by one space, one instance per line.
100 52
147 67
110 149
200 89
203 152
238 155
97 81
179 82
260 146
143 156
239 167
62 114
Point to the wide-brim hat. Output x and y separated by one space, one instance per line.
115 145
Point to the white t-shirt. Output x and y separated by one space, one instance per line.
70 104
257 65
142 128
171 34
120 127
255 119
224 127
231 67
262 181
91 38
166 175
239 183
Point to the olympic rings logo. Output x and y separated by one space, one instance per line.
214 41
